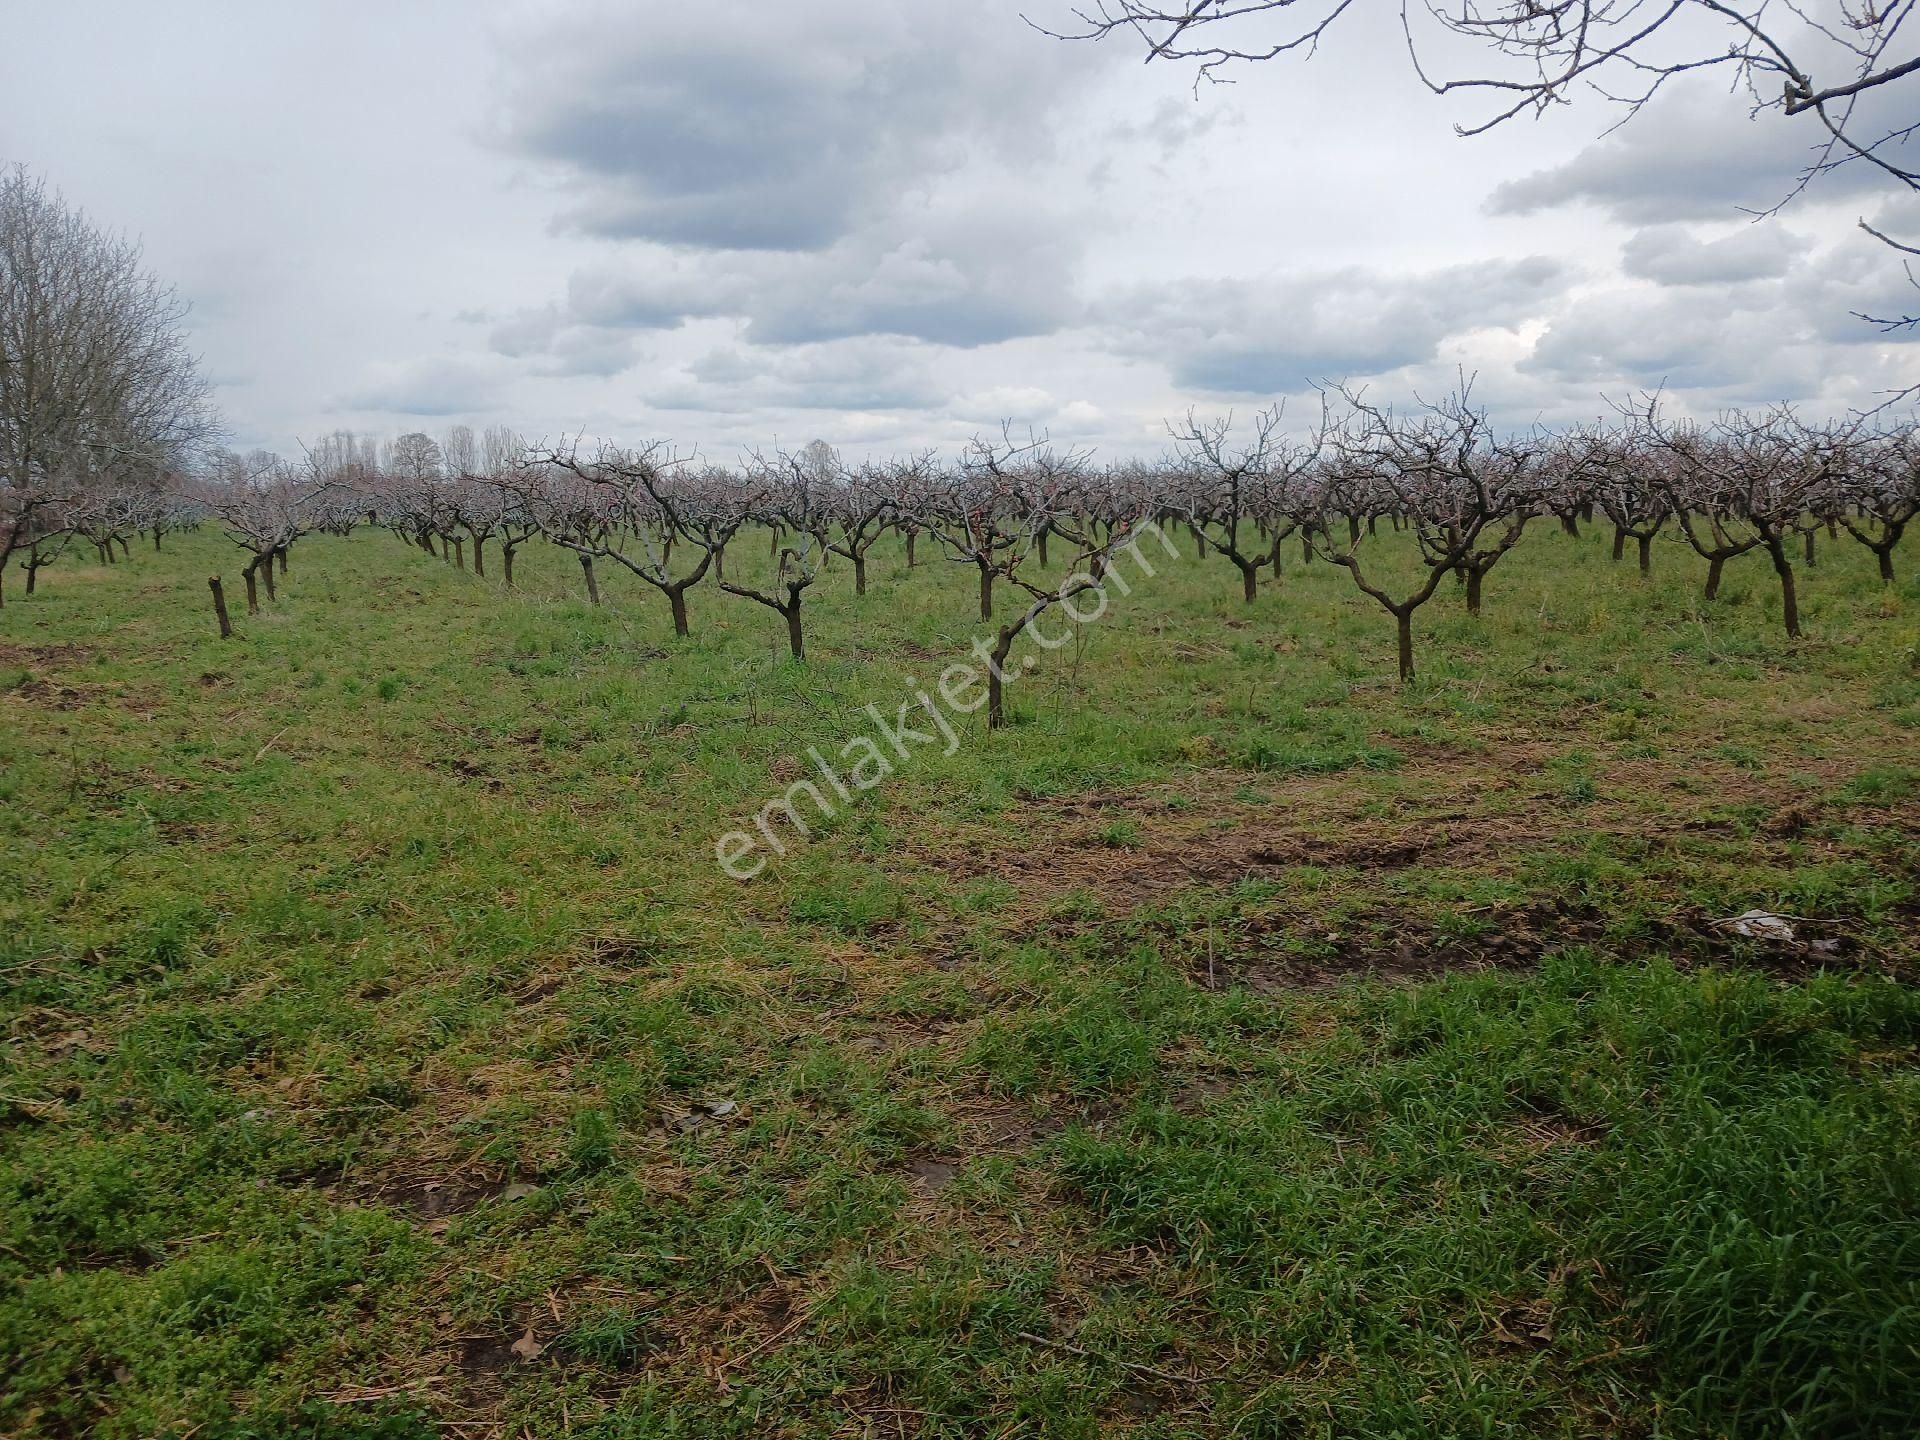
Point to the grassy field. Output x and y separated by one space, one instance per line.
1237 1045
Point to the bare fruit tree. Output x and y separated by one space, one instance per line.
650 500
1447 474
1882 493
1233 490
262 504
787 493
1756 475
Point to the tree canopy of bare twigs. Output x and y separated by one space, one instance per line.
1845 71
97 386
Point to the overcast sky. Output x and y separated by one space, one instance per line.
891 225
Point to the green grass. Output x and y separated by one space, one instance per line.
1235 1045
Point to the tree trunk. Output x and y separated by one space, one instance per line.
1619 543
506 563
912 535
480 555
986 593
1646 554
997 667
593 585
460 553
1715 564
266 574
859 572
1884 554
220 607
1249 580
1789 601
1809 549
1405 621
1474 577
1567 524
281 556
253 595
795 642
126 550
1043 546
677 598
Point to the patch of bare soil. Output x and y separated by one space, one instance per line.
53 695
929 1175
439 1198
483 1364
992 1126
46 657
1135 850
1406 962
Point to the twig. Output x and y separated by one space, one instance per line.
1123 1364
771 1340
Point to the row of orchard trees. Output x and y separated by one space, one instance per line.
1038 523
106 428
106 432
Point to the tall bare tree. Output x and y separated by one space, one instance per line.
97 386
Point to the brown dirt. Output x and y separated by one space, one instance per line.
55 696
43 656
1452 810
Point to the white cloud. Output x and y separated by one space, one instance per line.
896 225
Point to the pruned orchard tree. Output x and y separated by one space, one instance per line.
1882 492
262 504
98 391
1234 493
992 510
44 535
1756 475
414 467
1446 474
861 508
786 494
647 499
997 513
1622 482
107 516
478 500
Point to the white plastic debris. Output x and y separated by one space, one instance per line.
1760 925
